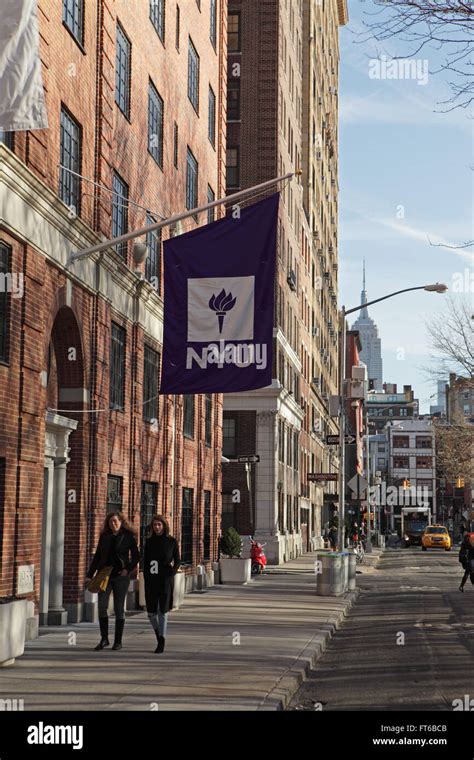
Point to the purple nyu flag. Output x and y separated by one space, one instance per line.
218 293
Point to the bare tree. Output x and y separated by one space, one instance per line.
445 25
454 449
452 341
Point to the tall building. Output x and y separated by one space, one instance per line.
135 94
371 353
282 116
440 406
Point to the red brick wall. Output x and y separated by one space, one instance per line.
117 443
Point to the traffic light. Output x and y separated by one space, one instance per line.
460 483
406 484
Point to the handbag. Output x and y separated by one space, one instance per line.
101 580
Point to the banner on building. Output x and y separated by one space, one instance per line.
219 296
22 103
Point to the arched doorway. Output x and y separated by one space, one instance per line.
63 471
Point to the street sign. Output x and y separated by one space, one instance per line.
249 459
333 440
358 485
318 477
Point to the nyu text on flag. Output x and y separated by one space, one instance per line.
219 294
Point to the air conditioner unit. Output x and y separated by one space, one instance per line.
316 234
316 381
358 373
291 279
315 331
320 101
356 389
318 155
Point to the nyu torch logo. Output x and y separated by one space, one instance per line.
221 304
221 313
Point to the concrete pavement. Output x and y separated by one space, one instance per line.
232 648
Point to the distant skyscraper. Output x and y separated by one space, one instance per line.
371 353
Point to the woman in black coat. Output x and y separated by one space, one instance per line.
160 551
466 558
117 548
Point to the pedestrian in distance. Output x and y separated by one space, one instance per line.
466 558
117 553
333 537
161 561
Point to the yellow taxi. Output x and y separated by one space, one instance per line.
436 537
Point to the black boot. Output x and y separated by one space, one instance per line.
119 626
158 637
161 644
104 634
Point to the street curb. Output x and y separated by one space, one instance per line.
288 684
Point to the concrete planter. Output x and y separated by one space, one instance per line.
235 571
12 630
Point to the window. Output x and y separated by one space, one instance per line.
211 196
228 513
232 167
381 461
281 441
187 526
193 76
122 71
213 23
157 17
148 508
155 124
175 145
233 33
400 463
191 181
423 442
295 451
188 416
208 419
4 269
114 493
117 367
206 548
233 99
119 212
403 412
151 369
228 437
73 18
70 158
424 463
6 138
178 26
153 260
211 131
401 442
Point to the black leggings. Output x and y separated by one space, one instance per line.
467 573
119 586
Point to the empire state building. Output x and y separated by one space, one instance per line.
371 353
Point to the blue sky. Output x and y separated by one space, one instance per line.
405 178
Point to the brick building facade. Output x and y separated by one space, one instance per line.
136 107
281 95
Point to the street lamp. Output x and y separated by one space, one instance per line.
437 287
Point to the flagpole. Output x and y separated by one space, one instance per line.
177 218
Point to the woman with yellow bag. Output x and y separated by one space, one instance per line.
115 559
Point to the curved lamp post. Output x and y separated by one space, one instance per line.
437 287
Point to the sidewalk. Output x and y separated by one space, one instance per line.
232 648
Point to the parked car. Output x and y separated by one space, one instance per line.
436 537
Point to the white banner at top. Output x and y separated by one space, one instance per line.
22 103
